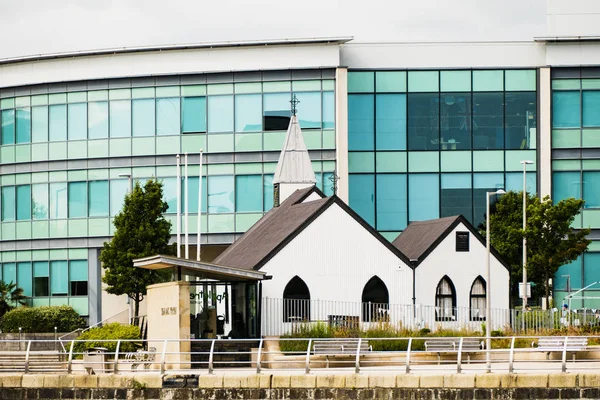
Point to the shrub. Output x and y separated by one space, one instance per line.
42 319
114 331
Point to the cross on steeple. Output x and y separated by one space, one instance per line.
334 178
294 101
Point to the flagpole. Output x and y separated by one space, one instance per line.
187 196
199 210
178 206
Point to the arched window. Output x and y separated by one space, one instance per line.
376 301
296 301
445 300
477 299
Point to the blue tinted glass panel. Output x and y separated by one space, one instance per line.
220 194
120 118
591 189
276 114
25 278
170 193
309 110
267 192
8 126
23 202
77 121
194 114
59 278
23 125
362 196
591 108
514 181
78 270
566 109
143 117
456 195
328 183
118 190
455 133
390 124
58 200
488 121
193 196
97 198
77 199
98 119
591 269
423 197
39 199
520 120
391 202
423 121
248 113
483 183
572 270
9 272
8 203
566 185
220 114
58 122
39 124
361 121
248 193
41 273
168 116
328 110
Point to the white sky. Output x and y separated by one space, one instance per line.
47 26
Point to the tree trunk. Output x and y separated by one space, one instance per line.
546 287
137 308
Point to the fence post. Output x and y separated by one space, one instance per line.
70 359
459 356
564 355
260 345
27 356
307 368
164 357
116 366
211 357
55 338
20 337
408 348
511 356
357 364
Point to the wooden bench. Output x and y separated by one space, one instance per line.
344 348
141 357
451 345
549 344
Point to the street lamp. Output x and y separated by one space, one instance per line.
524 291
488 322
128 176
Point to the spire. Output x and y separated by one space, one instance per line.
294 169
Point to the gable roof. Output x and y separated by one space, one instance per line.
281 225
420 238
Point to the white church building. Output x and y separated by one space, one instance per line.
323 262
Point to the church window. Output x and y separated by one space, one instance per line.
376 301
478 299
445 300
296 301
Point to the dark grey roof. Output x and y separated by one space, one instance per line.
419 236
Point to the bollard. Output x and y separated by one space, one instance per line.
20 337
55 338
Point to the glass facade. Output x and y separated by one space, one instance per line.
576 168
429 144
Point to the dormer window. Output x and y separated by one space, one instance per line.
462 241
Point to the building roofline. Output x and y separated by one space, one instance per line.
566 39
171 47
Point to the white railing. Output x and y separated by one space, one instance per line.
120 317
516 354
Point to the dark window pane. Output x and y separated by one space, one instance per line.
455 121
362 196
277 113
361 115
520 120
423 121
488 120
456 195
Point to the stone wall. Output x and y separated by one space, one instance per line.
285 386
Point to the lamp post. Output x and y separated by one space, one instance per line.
129 177
524 291
488 319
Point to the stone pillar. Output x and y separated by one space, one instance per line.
169 318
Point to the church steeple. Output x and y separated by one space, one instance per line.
294 169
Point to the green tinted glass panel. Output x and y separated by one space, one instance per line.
248 193
168 116
58 200
143 118
361 82
23 202
8 126
390 81
98 119
120 118
488 81
455 81
25 278
194 114
59 278
23 130
423 81
8 203
39 199
77 199
39 124
517 80
98 198
77 123
248 113
58 122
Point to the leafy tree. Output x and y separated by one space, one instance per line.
551 241
10 297
140 231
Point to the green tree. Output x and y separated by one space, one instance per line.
140 231
551 241
10 297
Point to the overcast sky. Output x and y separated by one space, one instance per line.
47 26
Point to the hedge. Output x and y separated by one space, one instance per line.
112 331
42 319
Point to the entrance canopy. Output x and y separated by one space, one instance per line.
199 269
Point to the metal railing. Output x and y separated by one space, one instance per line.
286 316
516 354
113 318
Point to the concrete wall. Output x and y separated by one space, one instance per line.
573 17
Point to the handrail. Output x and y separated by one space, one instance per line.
511 356
211 356
260 345
116 366
357 362
307 367
564 355
81 330
164 357
408 348
70 359
459 356
27 354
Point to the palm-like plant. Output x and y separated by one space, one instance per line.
10 296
